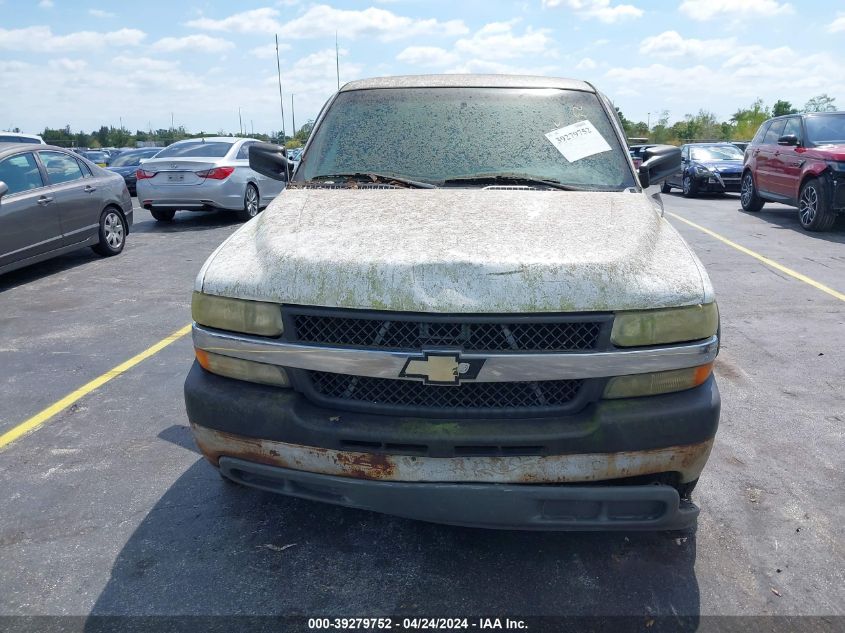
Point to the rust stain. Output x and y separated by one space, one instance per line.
367 465
687 460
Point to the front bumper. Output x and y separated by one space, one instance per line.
536 473
719 183
502 506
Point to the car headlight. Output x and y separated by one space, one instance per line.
837 166
668 325
657 383
701 170
237 315
241 369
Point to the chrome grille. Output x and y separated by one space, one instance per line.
375 393
404 334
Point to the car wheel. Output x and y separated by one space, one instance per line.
665 187
163 216
748 197
689 187
814 211
251 208
112 233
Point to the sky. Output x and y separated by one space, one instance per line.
87 63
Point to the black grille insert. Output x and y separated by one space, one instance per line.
386 333
494 396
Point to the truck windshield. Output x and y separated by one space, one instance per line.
437 135
826 129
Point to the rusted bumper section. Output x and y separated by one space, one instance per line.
501 506
687 460
559 492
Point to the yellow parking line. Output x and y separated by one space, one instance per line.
41 417
765 260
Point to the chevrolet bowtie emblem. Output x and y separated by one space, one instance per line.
441 368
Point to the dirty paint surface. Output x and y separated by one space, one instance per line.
688 460
459 251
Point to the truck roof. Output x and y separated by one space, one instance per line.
468 81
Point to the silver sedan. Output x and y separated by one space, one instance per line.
204 174
53 201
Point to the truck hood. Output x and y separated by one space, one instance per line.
459 251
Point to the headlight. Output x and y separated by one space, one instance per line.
240 369
657 383
669 325
837 166
700 169
237 315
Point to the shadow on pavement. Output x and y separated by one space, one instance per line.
184 221
787 218
34 272
210 547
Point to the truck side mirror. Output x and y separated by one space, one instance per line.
659 162
269 160
4 189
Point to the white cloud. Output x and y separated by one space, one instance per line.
324 21
268 51
671 44
41 39
427 56
497 40
99 13
69 65
200 43
254 21
46 4
838 24
586 64
601 10
704 10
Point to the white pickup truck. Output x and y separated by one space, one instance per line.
464 309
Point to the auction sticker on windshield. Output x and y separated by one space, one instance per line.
578 141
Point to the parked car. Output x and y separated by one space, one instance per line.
127 163
508 336
53 201
798 160
707 168
17 137
205 174
97 157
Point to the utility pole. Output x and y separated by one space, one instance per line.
172 127
292 114
281 101
648 120
240 121
337 59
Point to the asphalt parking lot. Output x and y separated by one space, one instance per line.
108 509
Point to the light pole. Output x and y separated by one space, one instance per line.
292 114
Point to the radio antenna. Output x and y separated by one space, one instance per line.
282 105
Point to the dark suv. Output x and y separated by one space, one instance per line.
798 160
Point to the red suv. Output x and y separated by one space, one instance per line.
798 160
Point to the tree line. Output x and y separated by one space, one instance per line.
110 136
705 126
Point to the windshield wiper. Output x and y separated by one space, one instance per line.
376 178
513 179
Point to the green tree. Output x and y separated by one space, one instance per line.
782 107
746 121
820 103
